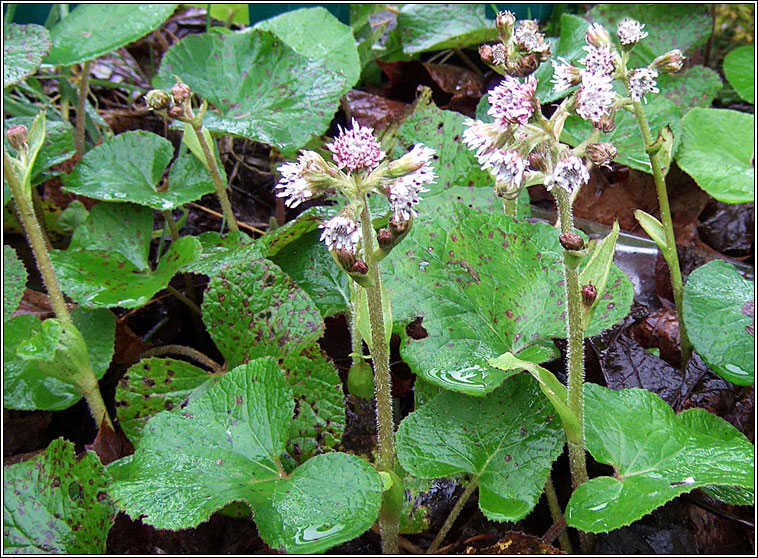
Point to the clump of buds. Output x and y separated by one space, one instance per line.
17 136
177 105
521 49
601 154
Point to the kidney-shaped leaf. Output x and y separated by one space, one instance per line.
718 152
264 90
739 69
24 47
507 441
424 27
26 386
56 504
253 309
656 454
484 285
719 312
226 447
92 30
129 168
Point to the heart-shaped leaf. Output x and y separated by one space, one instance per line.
24 47
14 281
507 441
656 455
424 27
719 312
717 151
130 167
484 285
253 309
334 41
57 147
739 69
154 385
92 30
26 386
226 447
56 504
103 269
263 89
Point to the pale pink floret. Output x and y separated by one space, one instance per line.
341 233
512 102
630 31
507 167
356 149
568 174
404 192
599 60
642 81
595 97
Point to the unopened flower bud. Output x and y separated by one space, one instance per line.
181 93
668 63
607 123
157 99
485 53
526 66
589 294
16 136
571 241
601 154
504 23
176 112
360 267
385 238
538 162
597 36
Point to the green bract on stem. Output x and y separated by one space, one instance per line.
358 169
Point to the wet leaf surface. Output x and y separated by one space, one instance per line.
656 454
728 228
719 311
92 30
24 47
424 27
193 462
371 110
739 69
280 320
57 504
507 441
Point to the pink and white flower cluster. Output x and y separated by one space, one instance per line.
357 150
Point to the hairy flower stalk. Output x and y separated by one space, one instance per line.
80 373
358 169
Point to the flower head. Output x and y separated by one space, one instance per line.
642 81
602 154
564 75
670 62
529 39
480 136
630 32
595 97
507 167
16 136
597 36
404 192
599 60
300 180
512 102
568 174
356 149
341 233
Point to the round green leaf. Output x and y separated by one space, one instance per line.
425 27
14 281
507 441
717 151
484 285
154 385
334 41
222 250
719 312
99 278
92 30
253 309
26 386
263 89
54 504
24 47
656 454
226 447
129 168
739 69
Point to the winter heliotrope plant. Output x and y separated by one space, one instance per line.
359 168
